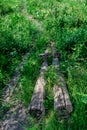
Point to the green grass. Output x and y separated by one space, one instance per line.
17 35
9 6
65 23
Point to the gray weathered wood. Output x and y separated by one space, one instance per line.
59 103
36 107
12 83
68 103
62 103
15 118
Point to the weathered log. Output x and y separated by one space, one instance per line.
68 103
12 83
55 55
36 107
15 118
59 102
62 103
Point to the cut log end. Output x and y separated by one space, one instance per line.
62 105
69 108
62 113
36 112
64 110
36 107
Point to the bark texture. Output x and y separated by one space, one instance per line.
16 118
62 103
12 83
36 107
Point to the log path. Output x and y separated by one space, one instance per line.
12 83
16 117
30 17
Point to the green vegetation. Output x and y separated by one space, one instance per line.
65 23
9 6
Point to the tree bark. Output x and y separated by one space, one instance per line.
36 107
15 118
62 103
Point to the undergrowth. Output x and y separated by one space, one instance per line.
65 23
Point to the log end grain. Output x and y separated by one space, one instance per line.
36 107
62 105
36 112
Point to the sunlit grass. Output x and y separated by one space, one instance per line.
64 22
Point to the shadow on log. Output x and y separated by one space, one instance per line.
62 103
36 107
15 118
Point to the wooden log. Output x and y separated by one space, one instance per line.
36 107
68 103
15 118
59 102
55 55
12 83
62 103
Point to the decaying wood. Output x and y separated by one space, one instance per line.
15 118
62 103
36 107
68 103
59 102
55 55
12 83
